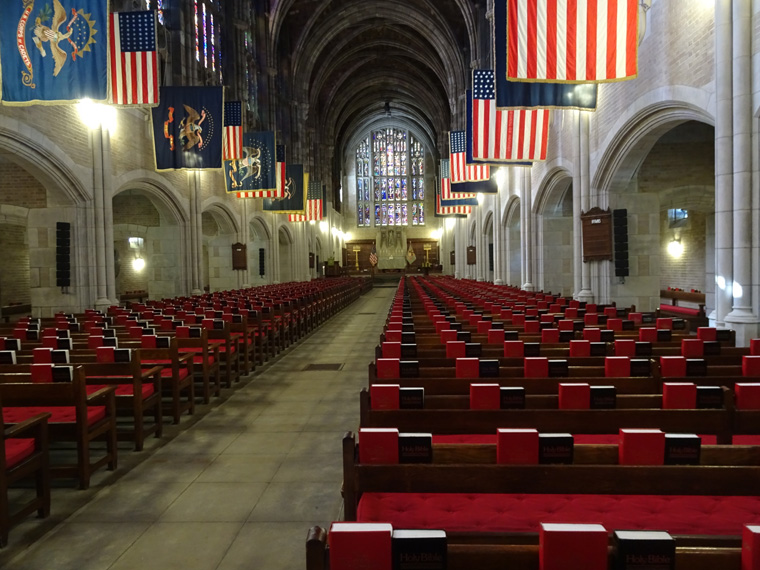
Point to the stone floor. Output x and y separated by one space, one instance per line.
235 487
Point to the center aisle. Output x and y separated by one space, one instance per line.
240 488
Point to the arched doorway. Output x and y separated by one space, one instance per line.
554 267
512 246
219 233
285 243
488 269
259 253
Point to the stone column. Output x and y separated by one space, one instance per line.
723 162
498 238
481 259
244 277
196 232
742 165
98 185
108 216
526 230
459 252
582 203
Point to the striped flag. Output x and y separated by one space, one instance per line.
445 190
461 171
132 57
521 95
572 41
505 135
279 174
313 204
457 211
233 131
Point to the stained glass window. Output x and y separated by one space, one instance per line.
397 161
363 201
213 45
197 35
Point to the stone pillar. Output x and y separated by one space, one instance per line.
196 232
498 237
526 230
244 277
108 217
742 164
460 251
723 162
97 136
582 203
481 258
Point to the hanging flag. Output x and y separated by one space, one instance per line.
313 204
133 59
504 135
519 94
293 200
279 173
445 190
54 54
187 129
461 171
577 41
411 257
232 143
373 256
450 211
256 170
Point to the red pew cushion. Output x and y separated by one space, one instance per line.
58 414
17 449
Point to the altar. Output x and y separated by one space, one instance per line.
391 249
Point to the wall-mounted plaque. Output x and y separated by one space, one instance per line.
471 258
452 257
597 234
239 256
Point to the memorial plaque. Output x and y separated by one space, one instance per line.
597 235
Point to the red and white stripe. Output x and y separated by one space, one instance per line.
232 143
313 212
572 40
449 210
463 172
277 193
447 194
508 135
134 75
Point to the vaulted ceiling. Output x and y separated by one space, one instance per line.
347 59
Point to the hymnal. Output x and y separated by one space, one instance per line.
555 448
575 396
682 449
485 397
603 397
644 550
696 367
59 356
409 368
12 344
747 395
558 369
598 349
572 547
473 349
407 327
641 447
111 341
566 336
62 373
360 545
723 335
512 397
489 368
408 338
408 350
378 445
511 335
122 355
7 357
679 396
464 336
643 348
711 348
108 333
415 448
751 547
709 397
679 324
517 446
32 334
384 396
532 348
411 398
63 334
607 335
664 335
195 332
163 342
628 325
419 550
640 367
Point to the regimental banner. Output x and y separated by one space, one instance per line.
293 200
279 172
187 128
522 95
256 170
314 203
133 58
508 135
576 41
51 53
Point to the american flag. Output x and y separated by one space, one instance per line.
132 58
461 171
505 135
233 131
446 192
313 204
279 175
572 41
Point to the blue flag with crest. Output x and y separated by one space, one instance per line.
187 128
53 52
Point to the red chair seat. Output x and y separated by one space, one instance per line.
17 449
199 360
124 389
167 373
58 414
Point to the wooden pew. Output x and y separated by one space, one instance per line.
24 456
77 417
